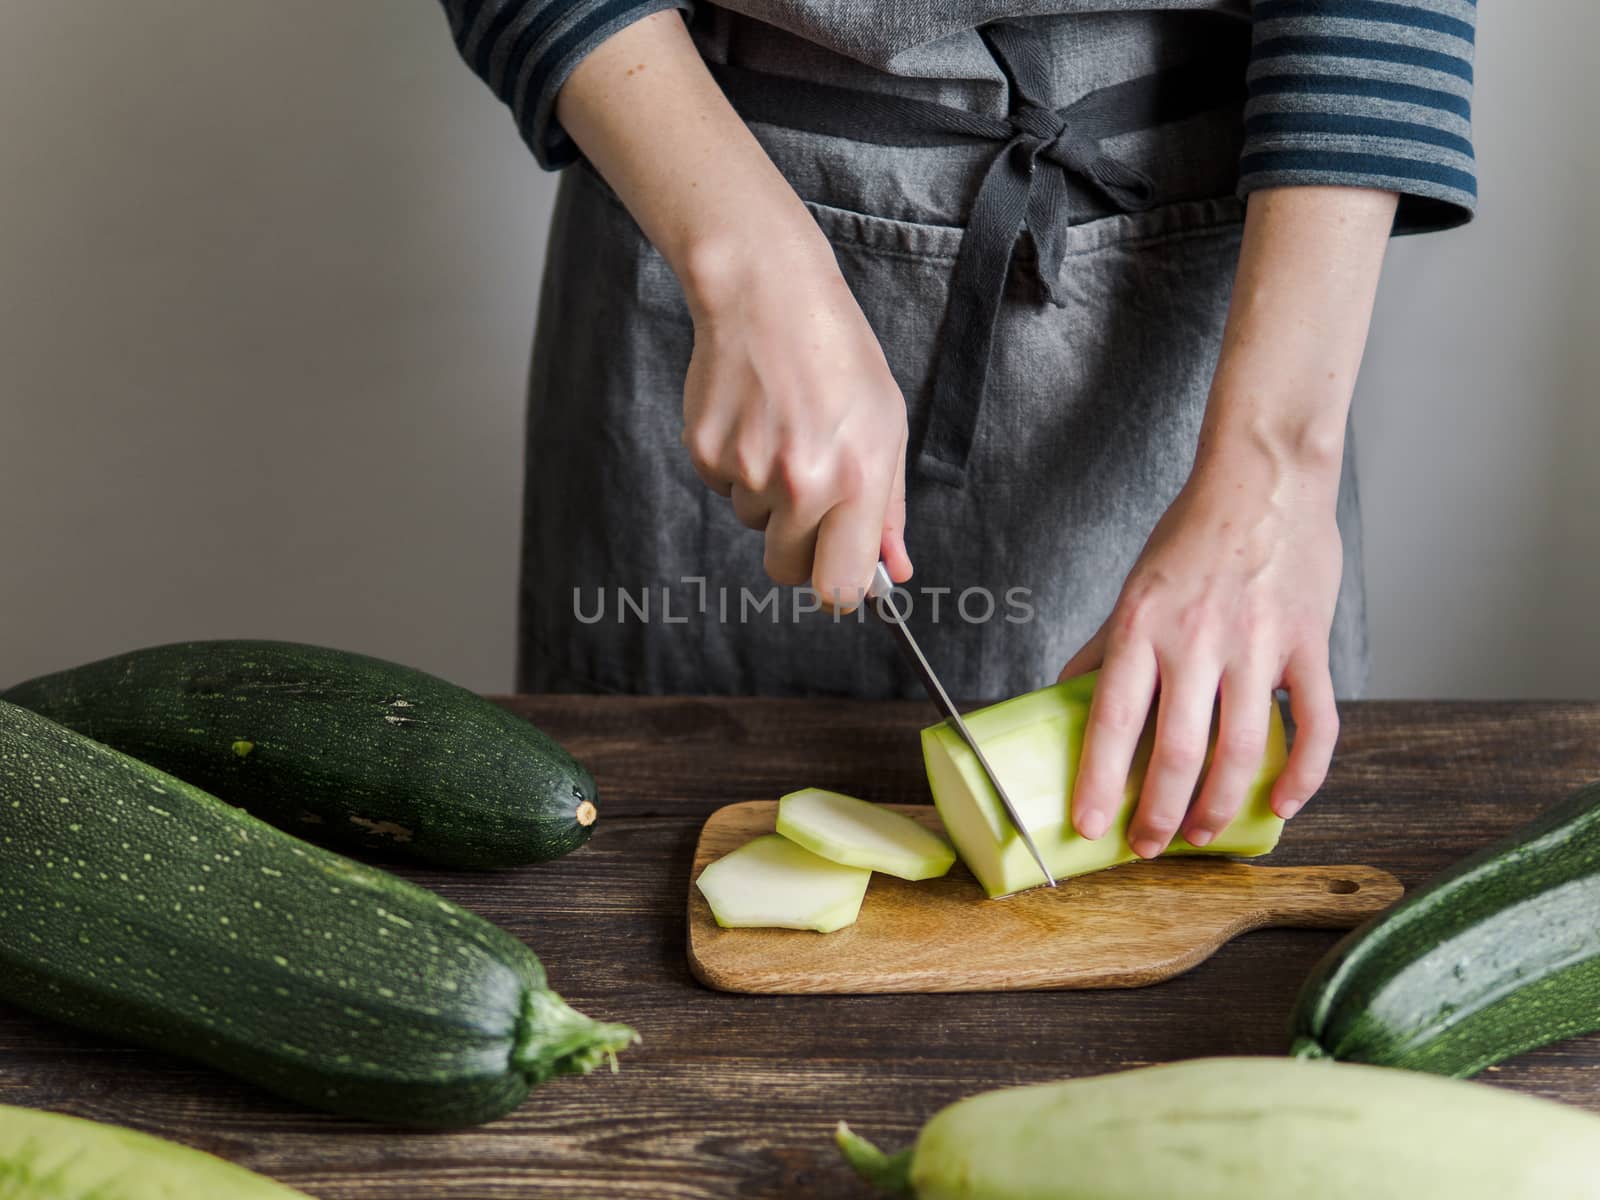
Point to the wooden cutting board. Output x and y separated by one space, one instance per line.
1126 927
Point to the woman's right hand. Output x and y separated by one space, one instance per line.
789 408
791 412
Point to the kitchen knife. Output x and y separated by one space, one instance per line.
882 594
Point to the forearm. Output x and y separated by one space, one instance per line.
650 118
1297 326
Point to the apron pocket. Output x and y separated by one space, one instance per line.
1166 222
847 229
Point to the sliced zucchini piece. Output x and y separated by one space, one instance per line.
771 882
858 833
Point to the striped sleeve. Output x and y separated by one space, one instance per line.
525 50
1365 93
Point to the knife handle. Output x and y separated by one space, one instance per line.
881 584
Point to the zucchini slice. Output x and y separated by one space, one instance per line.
771 882
857 833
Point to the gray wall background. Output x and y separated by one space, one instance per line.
268 272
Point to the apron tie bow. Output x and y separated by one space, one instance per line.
1051 135
1014 197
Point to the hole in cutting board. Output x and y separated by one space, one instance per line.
1343 887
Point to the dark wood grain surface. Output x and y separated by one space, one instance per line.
736 1096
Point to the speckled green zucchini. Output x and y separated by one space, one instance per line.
1496 956
48 1156
138 906
334 746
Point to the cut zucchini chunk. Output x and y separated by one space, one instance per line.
771 882
857 833
1033 742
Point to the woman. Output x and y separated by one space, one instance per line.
1063 300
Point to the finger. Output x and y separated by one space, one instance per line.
791 545
847 551
705 426
892 547
749 453
1116 719
1090 656
1183 728
751 508
704 453
1316 731
715 481
1243 715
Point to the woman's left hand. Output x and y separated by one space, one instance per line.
1233 594
1232 597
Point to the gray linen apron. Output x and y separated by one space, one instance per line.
637 578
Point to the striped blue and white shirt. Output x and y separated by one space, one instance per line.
1362 93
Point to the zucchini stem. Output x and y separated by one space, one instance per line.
889 1173
1307 1048
553 1038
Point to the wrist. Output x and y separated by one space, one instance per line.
1305 443
721 264
1296 458
1297 324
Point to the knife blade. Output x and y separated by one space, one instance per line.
882 594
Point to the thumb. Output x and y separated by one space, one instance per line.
892 549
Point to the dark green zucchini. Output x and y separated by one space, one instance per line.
339 747
138 906
1496 956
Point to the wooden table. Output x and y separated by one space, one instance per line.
736 1096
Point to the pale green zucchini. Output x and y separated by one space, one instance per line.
49 1156
1246 1129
